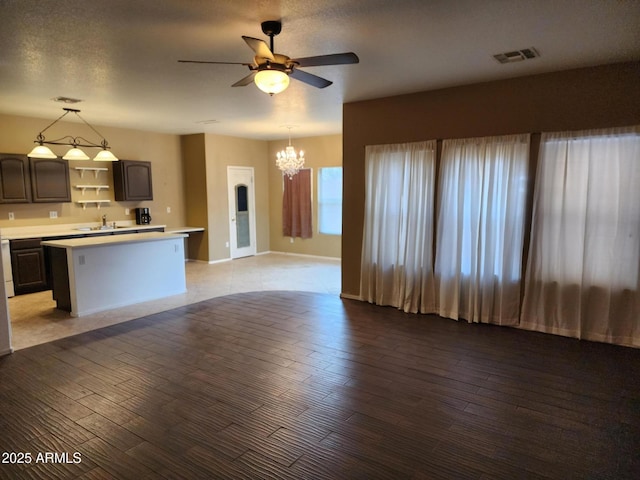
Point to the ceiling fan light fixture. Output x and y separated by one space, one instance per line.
271 81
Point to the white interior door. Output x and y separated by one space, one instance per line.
242 212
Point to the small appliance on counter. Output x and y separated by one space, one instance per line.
142 216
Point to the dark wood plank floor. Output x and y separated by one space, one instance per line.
288 385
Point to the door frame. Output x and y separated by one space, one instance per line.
247 173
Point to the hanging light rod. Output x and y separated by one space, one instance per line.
74 153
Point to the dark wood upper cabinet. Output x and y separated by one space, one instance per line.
49 180
14 179
132 180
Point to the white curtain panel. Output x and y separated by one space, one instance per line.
583 268
481 227
397 250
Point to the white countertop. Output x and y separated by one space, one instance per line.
73 229
82 229
112 239
183 229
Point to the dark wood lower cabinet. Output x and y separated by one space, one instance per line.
28 265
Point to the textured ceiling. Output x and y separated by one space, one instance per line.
120 56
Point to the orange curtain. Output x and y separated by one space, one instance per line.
296 205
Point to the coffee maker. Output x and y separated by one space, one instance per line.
142 216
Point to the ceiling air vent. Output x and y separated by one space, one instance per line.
66 100
517 55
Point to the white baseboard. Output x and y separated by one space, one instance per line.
6 352
213 262
320 257
348 296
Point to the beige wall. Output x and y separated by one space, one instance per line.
599 97
162 150
324 151
195 193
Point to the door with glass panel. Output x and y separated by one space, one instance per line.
242 216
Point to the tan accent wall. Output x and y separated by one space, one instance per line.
598 97
195 194
323 151
162 150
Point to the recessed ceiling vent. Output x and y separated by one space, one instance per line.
517 55
66 100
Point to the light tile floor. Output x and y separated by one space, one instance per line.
35 320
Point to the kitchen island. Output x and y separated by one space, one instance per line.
94 274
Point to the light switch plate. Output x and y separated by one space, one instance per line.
53 214
126 211
11 216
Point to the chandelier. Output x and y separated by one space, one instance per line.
288 160
74 153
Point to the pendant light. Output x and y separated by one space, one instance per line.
288 160
74 153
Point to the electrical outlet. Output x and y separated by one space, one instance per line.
126 211
291 240
11 216
168 209
226 244
53 214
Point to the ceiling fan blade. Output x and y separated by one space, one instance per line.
332 59
219 63
245 81
260 47
310 79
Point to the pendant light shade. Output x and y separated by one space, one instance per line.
105 156
40 151
75 154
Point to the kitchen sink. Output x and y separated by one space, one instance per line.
99 228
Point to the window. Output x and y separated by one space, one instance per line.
587 203
481 221
330 200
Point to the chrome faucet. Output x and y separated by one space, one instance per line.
104 220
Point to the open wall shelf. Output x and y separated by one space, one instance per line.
97 202
95 170
97 188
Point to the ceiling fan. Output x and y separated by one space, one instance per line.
271 71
